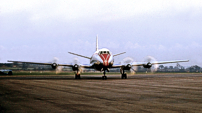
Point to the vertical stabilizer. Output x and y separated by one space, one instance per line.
97 43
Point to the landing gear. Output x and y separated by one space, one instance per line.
77 76
104 77
123 75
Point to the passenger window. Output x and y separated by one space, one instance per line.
104 52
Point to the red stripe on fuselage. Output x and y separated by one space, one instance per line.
105 59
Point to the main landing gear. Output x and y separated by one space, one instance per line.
104 77
77 75
123 75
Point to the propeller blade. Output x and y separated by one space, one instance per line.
129 60
149 60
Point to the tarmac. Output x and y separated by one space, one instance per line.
159 93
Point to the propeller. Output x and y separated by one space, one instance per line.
150 60
75 61
55 59
76 66
58 69
128 61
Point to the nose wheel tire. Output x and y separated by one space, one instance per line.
124 76
77 76
104 77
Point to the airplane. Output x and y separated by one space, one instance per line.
102 60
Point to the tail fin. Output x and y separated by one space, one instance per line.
97 43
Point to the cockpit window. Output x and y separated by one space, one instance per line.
104 52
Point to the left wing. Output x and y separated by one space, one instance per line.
167 62
159 62
145 63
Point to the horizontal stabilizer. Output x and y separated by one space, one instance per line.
119 54
79 55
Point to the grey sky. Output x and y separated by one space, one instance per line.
38 30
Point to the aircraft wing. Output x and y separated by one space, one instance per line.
167 62
86 66
117 65
40 63
159 62
144 63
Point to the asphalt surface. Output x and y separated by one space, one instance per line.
176 93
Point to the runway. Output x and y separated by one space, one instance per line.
139 93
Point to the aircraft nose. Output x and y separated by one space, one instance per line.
105 59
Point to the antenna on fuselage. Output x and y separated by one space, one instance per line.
97 43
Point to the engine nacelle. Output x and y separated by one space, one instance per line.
75 67
54 65
127 67
148 65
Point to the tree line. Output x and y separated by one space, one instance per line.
161 68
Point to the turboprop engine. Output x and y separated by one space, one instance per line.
151 63
148 65
54 66
127 67
75 67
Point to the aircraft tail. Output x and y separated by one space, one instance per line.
97 43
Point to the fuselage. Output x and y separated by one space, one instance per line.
102 59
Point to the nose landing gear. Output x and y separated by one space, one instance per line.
104 77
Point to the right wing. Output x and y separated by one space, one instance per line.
40 63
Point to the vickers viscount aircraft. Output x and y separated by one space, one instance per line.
102 60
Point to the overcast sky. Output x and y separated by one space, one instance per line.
38 30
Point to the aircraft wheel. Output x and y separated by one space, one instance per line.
77 76
124 76
104 77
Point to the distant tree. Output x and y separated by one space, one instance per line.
170 67
24 66
194 68
166 68
161 67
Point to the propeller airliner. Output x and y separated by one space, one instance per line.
102 60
